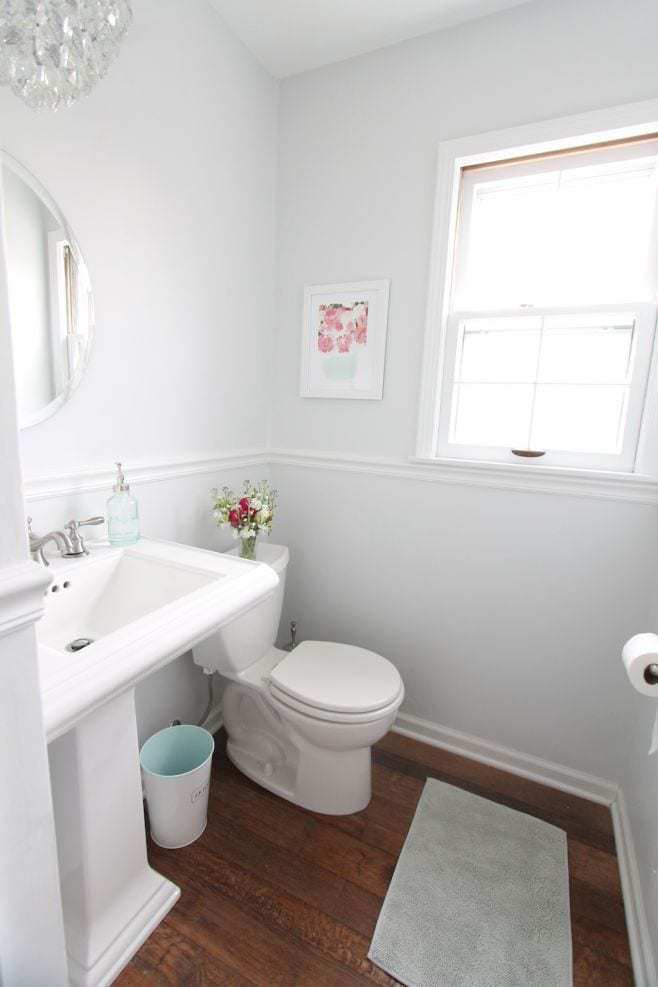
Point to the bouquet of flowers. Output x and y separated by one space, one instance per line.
247 515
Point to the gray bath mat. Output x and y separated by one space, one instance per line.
479 898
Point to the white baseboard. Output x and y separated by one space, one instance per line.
526 765
566 780
644 967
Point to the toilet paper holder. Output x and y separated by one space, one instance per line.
640 659
651 674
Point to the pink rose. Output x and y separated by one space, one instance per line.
331 318
244 506
234 519
325 343
344 342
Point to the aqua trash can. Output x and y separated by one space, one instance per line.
176 766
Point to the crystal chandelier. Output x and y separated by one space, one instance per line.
53 51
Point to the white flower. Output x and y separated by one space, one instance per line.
246 532
255 504
235 532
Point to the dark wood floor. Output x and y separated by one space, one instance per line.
272 894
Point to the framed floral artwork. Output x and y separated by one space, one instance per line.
344 340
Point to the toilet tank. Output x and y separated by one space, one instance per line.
245 640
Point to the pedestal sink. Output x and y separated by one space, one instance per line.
127 611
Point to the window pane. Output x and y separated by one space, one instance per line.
573 350
499 349
575 418
492 414
559 237
510 243
605 219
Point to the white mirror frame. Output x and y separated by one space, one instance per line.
47 199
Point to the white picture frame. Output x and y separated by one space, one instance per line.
344 340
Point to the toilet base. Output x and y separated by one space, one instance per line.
334 783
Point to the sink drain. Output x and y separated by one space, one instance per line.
79 643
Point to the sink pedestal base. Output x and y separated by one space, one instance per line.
112 898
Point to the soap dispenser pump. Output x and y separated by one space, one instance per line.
122 513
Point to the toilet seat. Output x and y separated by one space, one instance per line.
336 682
284 702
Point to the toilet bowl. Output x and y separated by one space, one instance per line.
301 723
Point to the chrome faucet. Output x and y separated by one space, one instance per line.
38 542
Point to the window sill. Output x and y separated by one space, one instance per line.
635 487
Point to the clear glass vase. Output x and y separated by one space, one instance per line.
248 547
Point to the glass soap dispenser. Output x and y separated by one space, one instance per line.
122 513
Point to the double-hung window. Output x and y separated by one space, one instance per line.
549 307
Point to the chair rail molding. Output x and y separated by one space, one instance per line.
87 479
632 487
524 477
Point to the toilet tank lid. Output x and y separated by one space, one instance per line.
276 556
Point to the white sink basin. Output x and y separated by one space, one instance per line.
141 607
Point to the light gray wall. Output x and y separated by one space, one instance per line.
358 153
166 174
505 611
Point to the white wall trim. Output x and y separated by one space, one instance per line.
87 479
524 477
535 479
566 780
526 765
644 967
22 587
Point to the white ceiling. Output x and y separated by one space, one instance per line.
291 36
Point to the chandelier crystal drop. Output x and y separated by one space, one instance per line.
53 51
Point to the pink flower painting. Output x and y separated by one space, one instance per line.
344 340
342 327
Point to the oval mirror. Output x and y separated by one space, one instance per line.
50 299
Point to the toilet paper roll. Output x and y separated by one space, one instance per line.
640 657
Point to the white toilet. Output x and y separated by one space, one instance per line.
301 723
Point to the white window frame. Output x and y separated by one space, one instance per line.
643 334
598 127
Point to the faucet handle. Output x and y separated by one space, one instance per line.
78 546
73 525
